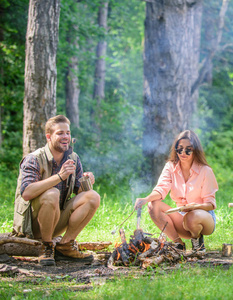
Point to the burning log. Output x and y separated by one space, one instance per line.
154 247
143 250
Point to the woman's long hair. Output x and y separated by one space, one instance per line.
198 153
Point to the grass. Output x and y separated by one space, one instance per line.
184 283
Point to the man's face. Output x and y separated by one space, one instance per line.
59 140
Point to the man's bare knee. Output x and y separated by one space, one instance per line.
93 198
50 197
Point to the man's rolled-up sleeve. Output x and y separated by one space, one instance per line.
30 170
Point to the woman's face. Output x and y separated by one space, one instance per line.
185 151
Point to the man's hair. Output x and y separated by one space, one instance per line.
53 121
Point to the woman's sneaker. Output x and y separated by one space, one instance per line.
198 244
180 247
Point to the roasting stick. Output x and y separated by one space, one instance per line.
114 231
181 208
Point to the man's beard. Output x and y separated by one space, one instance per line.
57 147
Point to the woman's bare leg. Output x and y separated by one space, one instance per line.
198 222
174 229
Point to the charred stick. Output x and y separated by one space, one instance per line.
139 213
124 257
163 229
123 240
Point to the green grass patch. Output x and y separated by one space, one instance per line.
185 283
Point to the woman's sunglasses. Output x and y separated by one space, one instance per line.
187 151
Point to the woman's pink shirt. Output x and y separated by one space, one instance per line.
200 187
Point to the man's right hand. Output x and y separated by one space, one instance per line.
67 168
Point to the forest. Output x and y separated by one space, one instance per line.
111 131
130 75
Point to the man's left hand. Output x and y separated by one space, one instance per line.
91 176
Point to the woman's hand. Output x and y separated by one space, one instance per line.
191 206
140 202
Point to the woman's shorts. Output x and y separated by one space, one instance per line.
209 211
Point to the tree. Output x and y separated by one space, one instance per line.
101 50
40 70
72 89
171 73
171 57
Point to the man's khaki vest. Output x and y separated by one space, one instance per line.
22 225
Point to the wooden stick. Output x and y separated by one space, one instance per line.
230 204
13 239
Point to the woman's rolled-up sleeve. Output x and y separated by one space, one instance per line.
165 181
209 187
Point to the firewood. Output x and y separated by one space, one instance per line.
94 246
148 253
17 246
124 257
8 270
112 259
18 240
124 244
153 261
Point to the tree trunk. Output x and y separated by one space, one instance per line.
171 58
72 92
101 50
40 71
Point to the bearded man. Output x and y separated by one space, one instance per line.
45 206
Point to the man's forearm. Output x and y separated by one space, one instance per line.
35 189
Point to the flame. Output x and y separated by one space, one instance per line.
117 244
118 254
144 246
132 248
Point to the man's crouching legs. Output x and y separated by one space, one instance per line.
46 213
81 209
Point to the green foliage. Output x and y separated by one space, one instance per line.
12 49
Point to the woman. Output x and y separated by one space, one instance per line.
190 180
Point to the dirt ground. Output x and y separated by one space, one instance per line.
27 268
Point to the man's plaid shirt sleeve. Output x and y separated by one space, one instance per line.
30 170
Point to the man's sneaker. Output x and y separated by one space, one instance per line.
46 255
70 251
198 244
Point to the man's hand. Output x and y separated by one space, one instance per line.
67 168
140 202
91 176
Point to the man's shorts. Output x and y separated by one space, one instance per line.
62 223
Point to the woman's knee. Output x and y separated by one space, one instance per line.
154 208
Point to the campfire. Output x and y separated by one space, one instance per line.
143 250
